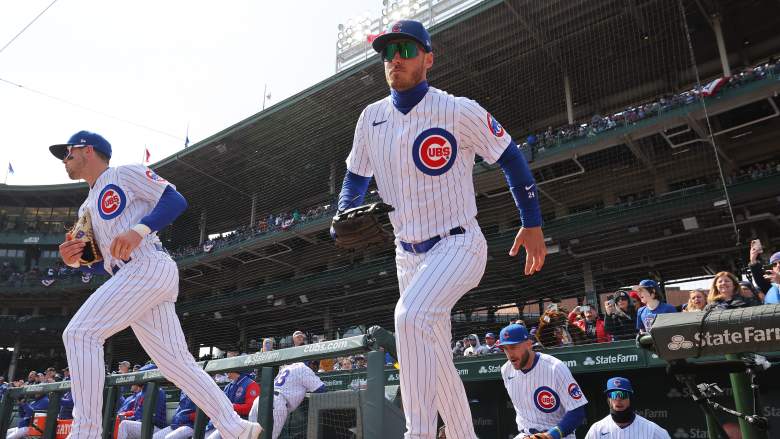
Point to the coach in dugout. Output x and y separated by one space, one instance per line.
26 413
242 391
622 422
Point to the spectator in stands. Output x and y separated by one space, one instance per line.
182 421
268 345
66 374
696 301
490 344
724 293
32 378
474 347
344 363
123 367
457 348
137 367
360 362
26 413
241 391
587 319
299 338
770 286
651 296
620 321
555 330
749 293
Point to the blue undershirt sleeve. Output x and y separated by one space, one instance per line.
571 420
320 389
168 208
522 185
353 190
94 269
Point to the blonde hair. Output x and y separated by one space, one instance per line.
714 294
691 307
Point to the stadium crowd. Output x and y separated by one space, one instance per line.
552 137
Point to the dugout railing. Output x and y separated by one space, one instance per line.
374 344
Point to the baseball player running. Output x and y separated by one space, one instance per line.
290 386
128 205
420 144
622 422
548 401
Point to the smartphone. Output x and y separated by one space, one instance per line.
585 308
611 301
756 245
552 307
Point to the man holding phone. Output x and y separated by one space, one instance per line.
587 318
767 281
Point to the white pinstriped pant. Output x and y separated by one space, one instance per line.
141 295
430 285
183 432
280 414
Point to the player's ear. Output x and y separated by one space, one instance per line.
428 60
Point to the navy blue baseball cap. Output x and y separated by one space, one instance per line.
619 383
84 138
646 283
490 335
403 29
513 334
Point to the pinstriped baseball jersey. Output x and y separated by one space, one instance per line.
542 395
117 201
294 380
423 160
640 428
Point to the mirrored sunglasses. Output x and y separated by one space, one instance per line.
407 50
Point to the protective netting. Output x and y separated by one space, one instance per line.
602 97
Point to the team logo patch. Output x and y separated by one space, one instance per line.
574 391
494 126
397 27
111 202
154 177
546 399
434 151
253 393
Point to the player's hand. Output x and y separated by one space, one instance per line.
124 244
532 239
71 250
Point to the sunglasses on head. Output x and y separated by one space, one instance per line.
70 149
618 394
407 50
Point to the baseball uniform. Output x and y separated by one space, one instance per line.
141 293
290 387
420 144
181 422
26 413
542 395
639 428
242 392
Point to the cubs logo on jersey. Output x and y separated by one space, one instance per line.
574 391
434 151
494 126
111 202
154 177
546 400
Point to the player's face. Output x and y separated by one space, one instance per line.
518 354
75 162
404 73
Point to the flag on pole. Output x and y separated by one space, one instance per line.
10 169
187 141
714 86
147 155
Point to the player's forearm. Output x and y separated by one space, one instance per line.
168 208
571 420
353 190
521 185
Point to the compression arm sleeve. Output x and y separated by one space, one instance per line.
168 208
571 420
522 185
353 190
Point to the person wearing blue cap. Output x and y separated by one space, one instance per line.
650 294
622 422
548 402
126 207
768 282
420 143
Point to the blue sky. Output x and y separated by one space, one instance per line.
162 65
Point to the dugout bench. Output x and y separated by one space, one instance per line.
374 344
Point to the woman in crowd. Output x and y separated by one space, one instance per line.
696 301
724 293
